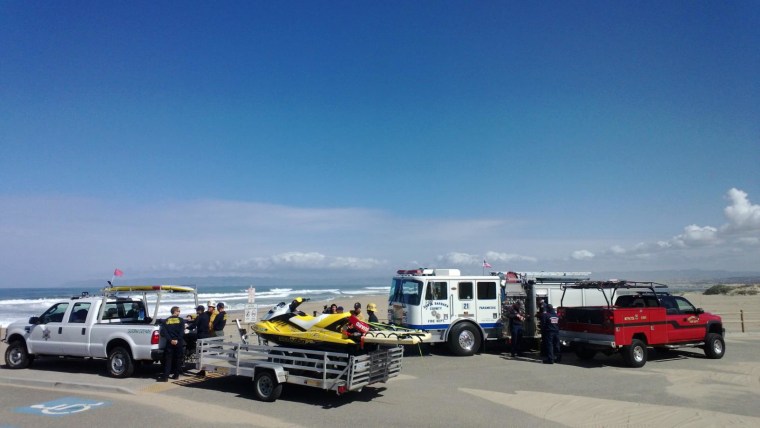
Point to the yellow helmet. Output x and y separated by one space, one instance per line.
371 307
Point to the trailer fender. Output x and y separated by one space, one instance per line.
277 369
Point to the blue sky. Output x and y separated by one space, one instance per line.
357 138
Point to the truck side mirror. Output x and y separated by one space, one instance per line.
34 320
700 311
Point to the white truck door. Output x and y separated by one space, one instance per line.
487 303
463 301
45 337
76 330
436 311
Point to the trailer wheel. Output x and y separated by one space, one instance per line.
464 340
715 347
266 387
120 363
16 356
635 354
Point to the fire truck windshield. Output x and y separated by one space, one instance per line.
405 290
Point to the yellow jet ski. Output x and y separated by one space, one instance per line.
285 325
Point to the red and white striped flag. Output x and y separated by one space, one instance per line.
486 265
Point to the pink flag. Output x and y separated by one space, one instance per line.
118 272
486 264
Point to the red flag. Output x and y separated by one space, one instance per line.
118 272
486 265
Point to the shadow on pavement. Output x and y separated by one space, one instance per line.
242 387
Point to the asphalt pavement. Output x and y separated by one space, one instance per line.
436 389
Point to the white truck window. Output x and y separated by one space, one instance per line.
437 290
79 312
465 291
55 313
487 290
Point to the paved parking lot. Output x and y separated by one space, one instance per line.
434 390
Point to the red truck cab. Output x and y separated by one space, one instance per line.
643 316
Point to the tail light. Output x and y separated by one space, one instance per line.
154 338
608 319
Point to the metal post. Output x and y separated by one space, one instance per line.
741 315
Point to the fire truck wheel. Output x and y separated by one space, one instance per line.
464 340
635 354
715 347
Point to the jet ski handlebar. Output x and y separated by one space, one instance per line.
297 302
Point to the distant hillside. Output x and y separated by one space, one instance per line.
734 289
686 279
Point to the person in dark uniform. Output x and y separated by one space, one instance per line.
192 328
221 319
202 324
550 336
173 331
371 317
516 319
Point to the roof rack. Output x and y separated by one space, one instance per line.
614 284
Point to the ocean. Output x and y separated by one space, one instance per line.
22 303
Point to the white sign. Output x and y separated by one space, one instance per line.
251 313
251 295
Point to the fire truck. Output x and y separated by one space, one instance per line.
465 311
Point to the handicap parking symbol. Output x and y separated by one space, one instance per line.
62 407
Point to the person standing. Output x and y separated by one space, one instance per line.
203 324
516 319
173 331
371 308
357 312
211 308
220 320
550 336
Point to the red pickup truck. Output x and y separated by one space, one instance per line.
643 316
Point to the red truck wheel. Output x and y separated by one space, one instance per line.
635 354
715 347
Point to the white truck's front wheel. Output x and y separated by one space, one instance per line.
16 356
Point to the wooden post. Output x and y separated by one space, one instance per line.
741 315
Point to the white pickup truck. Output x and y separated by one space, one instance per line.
115 326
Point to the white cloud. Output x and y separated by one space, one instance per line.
50 240
582 255
749 241
617 249
493 256
742 214
694 235
460 259
698 243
